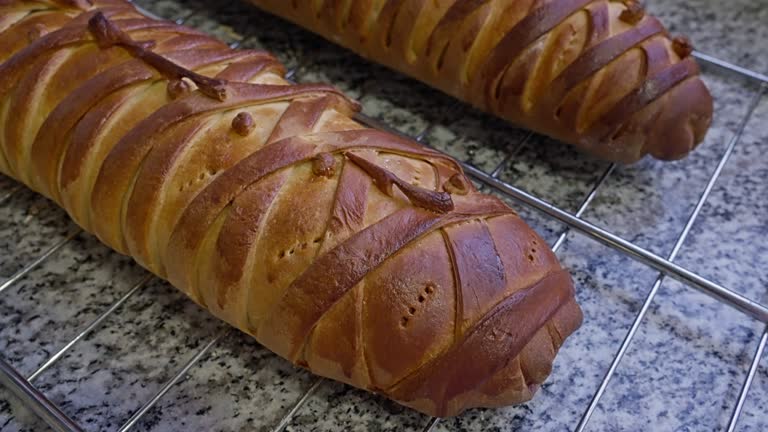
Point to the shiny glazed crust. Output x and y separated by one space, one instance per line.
361 256
599 74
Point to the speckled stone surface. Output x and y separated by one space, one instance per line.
683 371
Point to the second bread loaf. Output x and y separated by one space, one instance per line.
599 74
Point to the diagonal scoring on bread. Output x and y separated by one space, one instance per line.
352 252
600 74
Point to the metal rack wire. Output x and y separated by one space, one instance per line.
24 388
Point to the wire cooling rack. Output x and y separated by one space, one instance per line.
490 180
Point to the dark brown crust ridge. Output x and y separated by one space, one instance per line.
334 245
563 68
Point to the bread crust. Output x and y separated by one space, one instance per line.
333 244
599 74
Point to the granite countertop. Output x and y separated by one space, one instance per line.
683 372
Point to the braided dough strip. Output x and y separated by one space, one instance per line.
599 74
359 255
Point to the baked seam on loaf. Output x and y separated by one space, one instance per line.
599 74
359 255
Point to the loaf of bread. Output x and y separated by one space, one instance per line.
599 74
359 255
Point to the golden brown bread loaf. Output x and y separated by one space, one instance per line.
599 74
361 256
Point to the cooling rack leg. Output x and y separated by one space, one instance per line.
672 256
36 401
748 381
